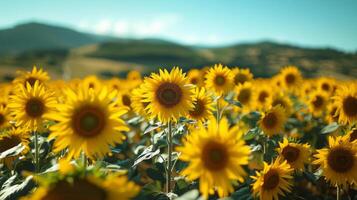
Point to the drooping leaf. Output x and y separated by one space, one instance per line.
330 128
148 153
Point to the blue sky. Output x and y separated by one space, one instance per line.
313 23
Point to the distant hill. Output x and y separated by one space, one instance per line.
62 49
37 36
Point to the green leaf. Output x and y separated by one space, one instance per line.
155 174
152 127
190 195
251 133
148 153
242 194
14 151
330 128
231 101
18 190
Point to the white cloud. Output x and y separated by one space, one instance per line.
157 26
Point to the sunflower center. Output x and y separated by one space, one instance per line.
244 96
126 100
240 78
199 108
35 107
262 96
89 121
291 154
79 190
31 81
194 81
350 106
318 102
270 120
290 79
271 180
220 80
214 156
7 143
353 135
169 94
325 87
340 160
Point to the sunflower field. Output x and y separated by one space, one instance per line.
210 133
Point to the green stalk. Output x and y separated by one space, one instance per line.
169 159
37 153
338 191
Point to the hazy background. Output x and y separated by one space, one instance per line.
77 38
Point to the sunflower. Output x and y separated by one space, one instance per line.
168 94
332 115
326 85
30 104
195 77
291 77
261 95
219 79
31 77
92 82
317 103
273 120
241 76
245 94
295 154
10 139
124 99
137 98
353 134
278 98
274 180
114 84
134 75
87 188
339 161
4 117
88 121
346 99
203 106
216 156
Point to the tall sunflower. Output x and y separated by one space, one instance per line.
273 120
195 77
168 94
274 180
326 85
4 117
88 121
291 77
339 161
11 138
216 156
346 99
219 79
279 98
317 103
295 154
137 98
31 77
203 106
261 95
245 94
241 76
30 104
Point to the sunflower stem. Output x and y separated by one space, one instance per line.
338 190
169 158
84 160
218 111
37 153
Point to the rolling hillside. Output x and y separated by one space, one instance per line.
62 50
